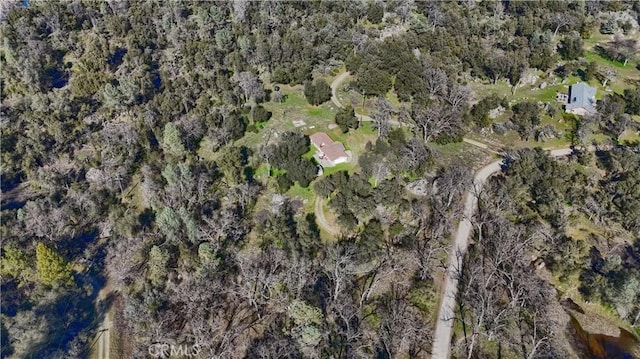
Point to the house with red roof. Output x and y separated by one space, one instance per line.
330 153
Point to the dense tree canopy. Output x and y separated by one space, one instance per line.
317 92
346 119
147 151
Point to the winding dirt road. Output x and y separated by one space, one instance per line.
104 331
318 207
334 88
479 144
321 220
335 84
444 326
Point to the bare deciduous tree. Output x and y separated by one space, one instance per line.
239 10
435 80
124 259
607 74
259 276
339 267
450 185
223 224
250 85
623 49
404 8
559 20
458 96
402 328
435 16
382 116
432 226
359 42
498 290
434 120
43 220
413 155
380 171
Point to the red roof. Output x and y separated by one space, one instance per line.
320 139
332 150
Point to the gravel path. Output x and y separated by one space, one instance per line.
321 220
444 326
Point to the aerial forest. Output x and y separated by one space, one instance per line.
154 176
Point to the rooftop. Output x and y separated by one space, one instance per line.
583 96
320 139
332 150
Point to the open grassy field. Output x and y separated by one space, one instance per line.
354 140
502 88
296 107
459 153
304 194
628 72
294 110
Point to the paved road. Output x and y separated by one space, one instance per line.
444 326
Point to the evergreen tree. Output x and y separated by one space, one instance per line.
317 92
375 13
168 223
373 81
171 140
158 260
632 100
260 114
570 48
52 269
346 119
15 263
